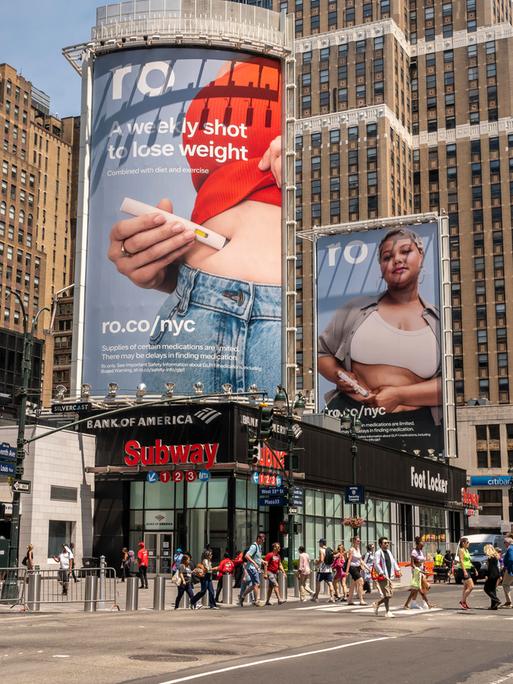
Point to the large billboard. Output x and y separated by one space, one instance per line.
183 276
379 350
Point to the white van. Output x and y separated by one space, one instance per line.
477 542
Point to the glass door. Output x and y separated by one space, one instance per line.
160 552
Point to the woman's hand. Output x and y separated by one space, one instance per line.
388 398
143 247
271 161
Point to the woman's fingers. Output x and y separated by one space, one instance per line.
271 160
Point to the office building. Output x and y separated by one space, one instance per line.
405 107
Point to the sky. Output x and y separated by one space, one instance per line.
32 35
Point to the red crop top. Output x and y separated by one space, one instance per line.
248 93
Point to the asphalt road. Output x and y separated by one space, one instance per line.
293 643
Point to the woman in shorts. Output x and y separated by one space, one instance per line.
355 567
465 571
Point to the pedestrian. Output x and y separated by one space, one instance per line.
355 566
184 582
385 567
303 574
324 562
132 566
252 567
492 576
272 566
225 567
177 560
206 581
124 563
63 572
28 560
238 561
339 573
507 575
72 561
368 559
143 559
419 584
465 571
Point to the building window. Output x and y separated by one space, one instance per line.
59 533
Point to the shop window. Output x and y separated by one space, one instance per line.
196 495
218 493
137 495
159 495
59 533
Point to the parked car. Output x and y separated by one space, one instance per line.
477 542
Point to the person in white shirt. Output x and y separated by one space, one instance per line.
63 576
385 567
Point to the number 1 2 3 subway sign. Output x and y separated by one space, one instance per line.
161 454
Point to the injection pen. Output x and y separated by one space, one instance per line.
357 387
205 235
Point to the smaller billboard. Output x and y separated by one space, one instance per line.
379 355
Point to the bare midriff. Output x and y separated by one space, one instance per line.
254 249
379 375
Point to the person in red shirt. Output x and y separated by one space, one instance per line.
142 557
273 565
225 567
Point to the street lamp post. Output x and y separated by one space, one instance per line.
282 404
352 425
26 368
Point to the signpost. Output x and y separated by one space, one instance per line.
22 486
272 496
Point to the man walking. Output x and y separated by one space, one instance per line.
272 566
324 573
385 567
253 566
507 577
63 574
142 557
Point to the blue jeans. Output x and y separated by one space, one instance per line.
216 330
206 585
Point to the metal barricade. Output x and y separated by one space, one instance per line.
227 592
132 593
12 586
159 593
58 587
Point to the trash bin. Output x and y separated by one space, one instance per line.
88 563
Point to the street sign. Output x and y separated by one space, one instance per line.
355 494
203 475
272 501
298 497
152 476
292 510
271 491
165 476
22 486
7 468
72 407
7 452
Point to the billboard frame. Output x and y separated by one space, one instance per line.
448 401
227 25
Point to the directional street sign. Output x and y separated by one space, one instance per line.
7 468
7 452
152 476
298 497
292 510
22 486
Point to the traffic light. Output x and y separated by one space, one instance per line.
265 421
253 455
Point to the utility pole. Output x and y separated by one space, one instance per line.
22 393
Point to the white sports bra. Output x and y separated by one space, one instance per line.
378 342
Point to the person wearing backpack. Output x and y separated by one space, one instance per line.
324 573
253 567
225 567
